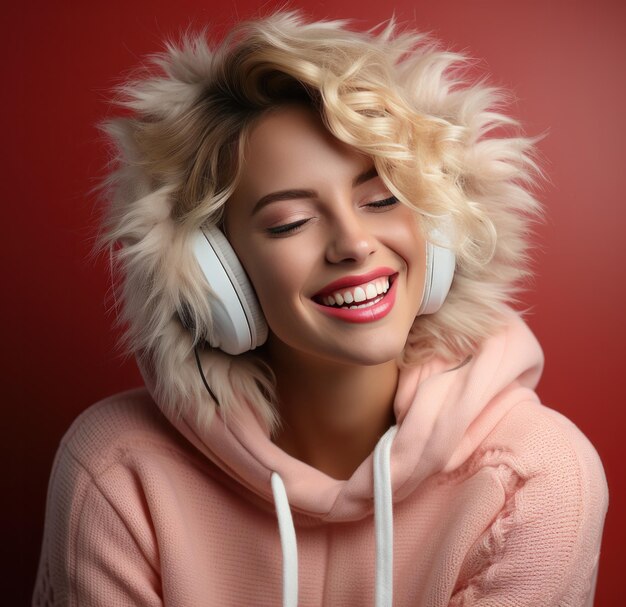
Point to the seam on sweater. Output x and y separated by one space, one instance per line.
497 535
72 588
95 486
497 458
145 443
477 580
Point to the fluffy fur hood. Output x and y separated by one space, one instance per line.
440 143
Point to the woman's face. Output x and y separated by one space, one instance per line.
318 233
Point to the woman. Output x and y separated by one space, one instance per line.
347 417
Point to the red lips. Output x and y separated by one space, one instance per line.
354 280
365 314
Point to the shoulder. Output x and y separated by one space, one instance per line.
113 429
556 464
106 462
542 442
96 516
544 545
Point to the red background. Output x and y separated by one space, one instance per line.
564 60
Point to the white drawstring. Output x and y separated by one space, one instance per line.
383 522
287 542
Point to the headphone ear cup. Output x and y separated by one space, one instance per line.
238 322
440 266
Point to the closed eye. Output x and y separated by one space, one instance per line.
381 204
286 228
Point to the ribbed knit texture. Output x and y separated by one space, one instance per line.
497 504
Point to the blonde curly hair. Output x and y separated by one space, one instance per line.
440 144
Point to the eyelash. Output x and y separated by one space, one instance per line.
381 204
286 228
292 227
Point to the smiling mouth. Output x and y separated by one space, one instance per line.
364 295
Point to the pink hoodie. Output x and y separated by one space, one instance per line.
478 496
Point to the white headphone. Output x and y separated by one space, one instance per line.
239 324
440 266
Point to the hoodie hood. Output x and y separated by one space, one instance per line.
443 412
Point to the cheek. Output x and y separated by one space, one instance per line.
411 247
407 239
277 276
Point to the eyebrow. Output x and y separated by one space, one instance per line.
294 194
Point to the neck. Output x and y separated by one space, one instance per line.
332 414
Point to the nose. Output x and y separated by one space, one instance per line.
349 240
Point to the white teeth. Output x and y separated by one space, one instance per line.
366 292
366 305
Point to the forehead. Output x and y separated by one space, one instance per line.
290 146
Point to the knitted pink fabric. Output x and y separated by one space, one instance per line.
497 501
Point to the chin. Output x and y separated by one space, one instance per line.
347 347
367 355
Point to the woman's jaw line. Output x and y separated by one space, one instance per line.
282 355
